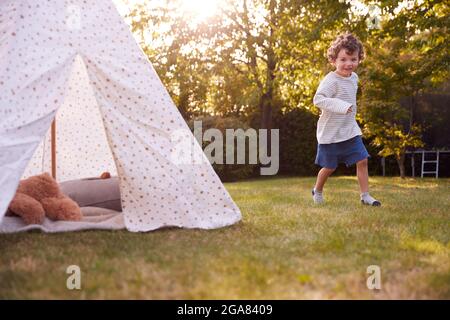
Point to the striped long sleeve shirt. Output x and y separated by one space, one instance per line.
334 96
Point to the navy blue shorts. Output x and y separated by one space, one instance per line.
349 152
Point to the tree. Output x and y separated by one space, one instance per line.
177 51
407 57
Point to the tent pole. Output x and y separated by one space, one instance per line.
53 138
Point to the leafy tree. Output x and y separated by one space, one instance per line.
407 57
176 49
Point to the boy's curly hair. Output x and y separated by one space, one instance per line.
346 41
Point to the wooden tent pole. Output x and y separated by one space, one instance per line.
53 138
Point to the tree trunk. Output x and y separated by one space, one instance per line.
401 164
266 102
266 117
266 110
412 108
183 101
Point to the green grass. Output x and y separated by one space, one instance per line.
285 248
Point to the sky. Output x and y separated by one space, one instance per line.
201 9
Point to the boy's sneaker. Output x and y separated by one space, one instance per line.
368 200
317 196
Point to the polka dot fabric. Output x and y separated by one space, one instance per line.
77 60
82 148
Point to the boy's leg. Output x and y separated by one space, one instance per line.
322 177
362 172
327 158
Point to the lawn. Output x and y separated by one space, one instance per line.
285 248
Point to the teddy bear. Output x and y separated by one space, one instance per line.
40 196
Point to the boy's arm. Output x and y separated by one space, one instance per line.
323 98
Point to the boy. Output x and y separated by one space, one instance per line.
338 134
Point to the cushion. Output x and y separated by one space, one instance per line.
97 212
94 192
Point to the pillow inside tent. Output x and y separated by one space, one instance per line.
94 192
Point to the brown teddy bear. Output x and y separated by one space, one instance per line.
40 196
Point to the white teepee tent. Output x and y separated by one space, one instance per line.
112 114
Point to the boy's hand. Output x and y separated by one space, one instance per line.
350 110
